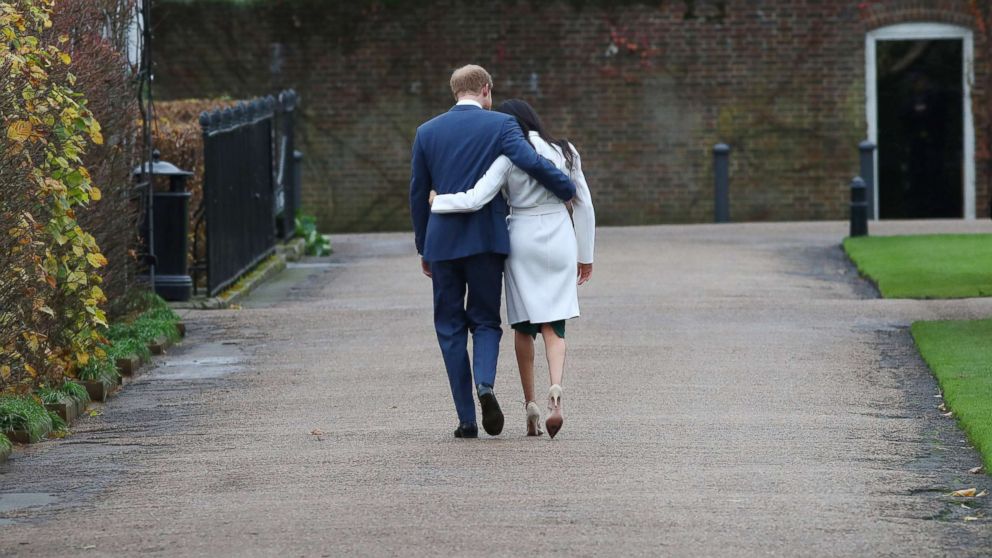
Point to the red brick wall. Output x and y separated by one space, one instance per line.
644 89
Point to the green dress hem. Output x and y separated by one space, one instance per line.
533 329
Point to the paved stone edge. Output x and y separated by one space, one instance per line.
138 365
264 271
293 250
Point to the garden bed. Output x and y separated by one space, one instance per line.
25 420
99 390
67 411
128 365
149 327
68 401
159 345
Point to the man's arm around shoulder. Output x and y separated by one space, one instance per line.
515 146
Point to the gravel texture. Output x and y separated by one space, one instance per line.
730 390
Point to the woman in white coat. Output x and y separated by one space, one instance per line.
549 255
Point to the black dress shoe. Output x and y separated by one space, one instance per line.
492 416
467 430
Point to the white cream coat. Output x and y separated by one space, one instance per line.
545 247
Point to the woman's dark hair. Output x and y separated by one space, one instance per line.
530 122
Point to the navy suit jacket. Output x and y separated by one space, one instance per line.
450 153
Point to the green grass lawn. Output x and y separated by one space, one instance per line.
960 355
925 266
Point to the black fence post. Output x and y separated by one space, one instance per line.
721 183
297 181
209 121
286 203
859 208
867 152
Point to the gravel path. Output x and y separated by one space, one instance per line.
730 390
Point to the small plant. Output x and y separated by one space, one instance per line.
154 319
150 327
26 414
126 347
306 228
51 396
158 307
59 427
99 370
75 392
144 330
68 392
5 444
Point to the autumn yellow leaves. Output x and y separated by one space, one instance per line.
50 277
969 493
19 131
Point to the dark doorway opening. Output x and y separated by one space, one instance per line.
920 129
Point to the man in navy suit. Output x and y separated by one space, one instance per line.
463 253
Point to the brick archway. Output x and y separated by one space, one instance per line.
877 14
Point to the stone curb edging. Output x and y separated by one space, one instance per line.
293 250
68 411
129 366
267 269
98 391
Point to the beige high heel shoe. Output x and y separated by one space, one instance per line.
555 419
533 419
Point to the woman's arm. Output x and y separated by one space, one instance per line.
583 214
479 195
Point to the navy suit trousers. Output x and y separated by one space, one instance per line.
467 295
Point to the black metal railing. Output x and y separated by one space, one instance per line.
248 178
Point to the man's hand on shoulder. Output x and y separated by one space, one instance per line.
516 147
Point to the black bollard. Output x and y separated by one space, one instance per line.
721 183
859 208
867 151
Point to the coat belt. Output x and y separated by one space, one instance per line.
543 209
